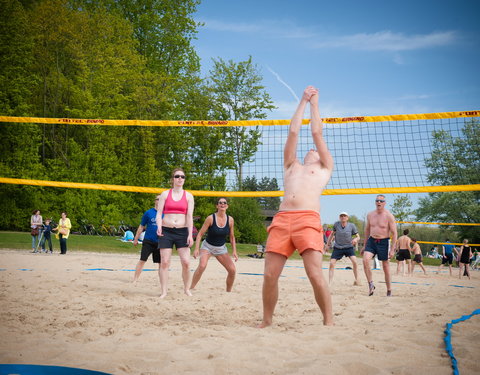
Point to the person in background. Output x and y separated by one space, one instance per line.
47 236
404 259
328 231
447 256
465 255
149 242
36 223
380 226
417 256
345 237
63 231
217 226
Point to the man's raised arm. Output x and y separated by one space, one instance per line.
290 151
316 124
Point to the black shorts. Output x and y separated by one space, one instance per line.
150 247
403 254
173 236
447 259
378 247
417 258
340 253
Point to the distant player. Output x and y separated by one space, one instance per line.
345 237
380 226
417 256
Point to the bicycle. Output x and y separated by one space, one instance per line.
104 230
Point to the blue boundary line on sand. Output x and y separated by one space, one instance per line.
448 338
252 274
22 369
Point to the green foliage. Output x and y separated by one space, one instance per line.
454 161
265 184
360 224
249 227
97 244
401 208
237 94
117 59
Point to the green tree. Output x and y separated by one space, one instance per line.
401 208
238 94
249 222
454 161
265 184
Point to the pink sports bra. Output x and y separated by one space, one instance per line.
175 207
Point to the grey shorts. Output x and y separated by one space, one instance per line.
214 250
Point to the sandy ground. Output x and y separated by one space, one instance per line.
81 310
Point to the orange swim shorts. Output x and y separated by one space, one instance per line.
295 230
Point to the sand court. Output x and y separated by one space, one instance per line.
81 310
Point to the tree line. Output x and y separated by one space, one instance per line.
118 59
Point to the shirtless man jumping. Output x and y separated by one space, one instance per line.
380 225
297 225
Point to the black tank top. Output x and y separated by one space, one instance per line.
465 255
216 236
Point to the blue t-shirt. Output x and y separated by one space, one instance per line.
149 221
448 249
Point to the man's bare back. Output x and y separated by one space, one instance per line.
404 242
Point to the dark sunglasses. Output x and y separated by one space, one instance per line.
379 200
180 176
222 202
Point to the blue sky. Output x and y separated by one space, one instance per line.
366 57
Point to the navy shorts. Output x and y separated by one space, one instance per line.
173 236
378 247
150 247
340 253
447 259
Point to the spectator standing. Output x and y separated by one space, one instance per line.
63 231
36 223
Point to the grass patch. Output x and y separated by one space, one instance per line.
95 244
108 244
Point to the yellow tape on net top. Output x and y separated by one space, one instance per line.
335 120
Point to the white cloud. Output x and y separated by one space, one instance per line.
270 28
388 41
231 26
385 40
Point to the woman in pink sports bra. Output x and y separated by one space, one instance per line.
175 227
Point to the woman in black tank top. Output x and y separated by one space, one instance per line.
217 226
465 256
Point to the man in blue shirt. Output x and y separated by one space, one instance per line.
150 240
344 236
447 257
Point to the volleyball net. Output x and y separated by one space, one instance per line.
372 154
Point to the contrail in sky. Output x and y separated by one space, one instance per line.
283 83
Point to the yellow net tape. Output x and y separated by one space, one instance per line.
335 120
204 193
450 243
421 222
